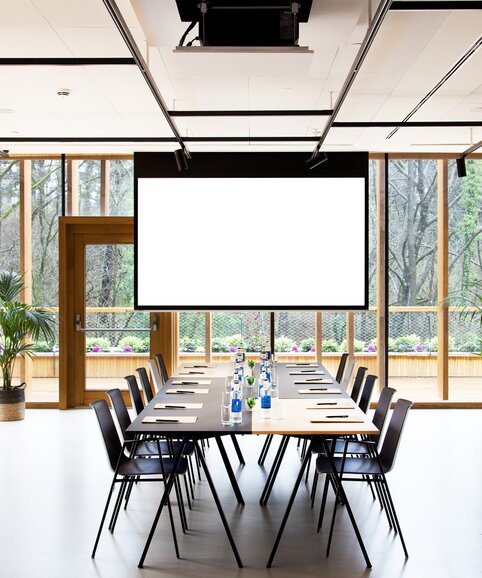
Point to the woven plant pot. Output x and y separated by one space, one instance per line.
12 404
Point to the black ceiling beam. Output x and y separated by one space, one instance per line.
436 5
161 139
460 62
67 62
201 113
372 31
123 28
408 124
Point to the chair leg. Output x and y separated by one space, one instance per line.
314 487
104 514
128 493
308 469
274 471
395 517
180 503
323 503
187 493
332 525
117 509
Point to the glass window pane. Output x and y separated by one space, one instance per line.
334 338
192 335
465 282
10 215
295 333
229 329
122 187
413 278
89 187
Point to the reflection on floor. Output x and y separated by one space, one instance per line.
56 493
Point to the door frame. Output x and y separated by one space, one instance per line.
74 234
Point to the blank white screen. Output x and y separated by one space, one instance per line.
248 242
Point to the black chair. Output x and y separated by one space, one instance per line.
374 466
341 367
366 394
128 469
145 383
355 392
162 367
135 393
150 448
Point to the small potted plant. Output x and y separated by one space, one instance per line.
250 403
20 326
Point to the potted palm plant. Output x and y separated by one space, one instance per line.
20 326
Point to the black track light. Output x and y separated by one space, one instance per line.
316 159
181 160
461 170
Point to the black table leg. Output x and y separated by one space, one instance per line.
290 505
238 450
165 495
275 466
218 505
229 470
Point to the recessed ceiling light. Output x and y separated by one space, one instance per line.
63 92
6 111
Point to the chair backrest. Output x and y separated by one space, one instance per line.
341 367
155 374
391 443
146 384
367 392
360 375
109 433
120 411
348 373
383 405
162 366
135 393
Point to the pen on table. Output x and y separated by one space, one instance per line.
308 371
326 403
333 416
166 420
314 379
173 407
317 389
184 391
189 382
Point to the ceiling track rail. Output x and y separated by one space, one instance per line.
67 62
372 31
470 52
432 5
122 27
471 149
294 112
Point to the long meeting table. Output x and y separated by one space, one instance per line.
311 404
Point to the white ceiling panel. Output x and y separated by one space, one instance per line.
20 14
211 94
213 126
94 42
283 93
74 13
31 43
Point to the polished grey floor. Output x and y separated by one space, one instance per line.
54 478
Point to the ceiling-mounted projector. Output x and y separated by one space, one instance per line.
240 23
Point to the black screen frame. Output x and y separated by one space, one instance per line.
251 165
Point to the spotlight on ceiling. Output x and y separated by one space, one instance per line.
461 170
316 159
181 160
4 154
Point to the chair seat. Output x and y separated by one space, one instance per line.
353 447
149 448
151 467
355 466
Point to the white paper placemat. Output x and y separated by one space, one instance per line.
175 419
181 390
301 365
190 381
174 405
314 391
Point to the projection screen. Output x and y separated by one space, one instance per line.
256 242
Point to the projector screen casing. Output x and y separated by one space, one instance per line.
248 269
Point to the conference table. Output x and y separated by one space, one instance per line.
311 405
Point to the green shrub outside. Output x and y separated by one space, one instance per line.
101 342
43 347
407 343
135 343
283 344
329 346
358 345
307 344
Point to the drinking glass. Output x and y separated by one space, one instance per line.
226 407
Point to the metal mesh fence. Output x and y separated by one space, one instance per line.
249 328
295 331
334 331
192 332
